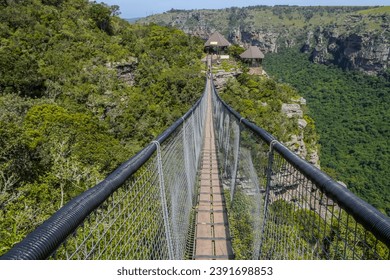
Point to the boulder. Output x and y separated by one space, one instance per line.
292 110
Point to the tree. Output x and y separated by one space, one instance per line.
100 14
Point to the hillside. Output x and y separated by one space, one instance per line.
80 92
350 37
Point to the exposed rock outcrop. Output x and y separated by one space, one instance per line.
292 110
296 142
221 78
362 51
341 46
125 69
265 39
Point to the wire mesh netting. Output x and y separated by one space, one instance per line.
304 223
149 216
125 226
242 171
276 211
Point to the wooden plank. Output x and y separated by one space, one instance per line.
212 238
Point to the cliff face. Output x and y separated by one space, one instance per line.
266 39
355 50
350 40
362 51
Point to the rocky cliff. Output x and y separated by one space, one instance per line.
349 37
359 50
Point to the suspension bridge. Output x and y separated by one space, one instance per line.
212 186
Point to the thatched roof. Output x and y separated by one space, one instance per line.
252 53
216 39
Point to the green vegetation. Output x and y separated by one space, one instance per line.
351 111
241 224
67 118
290 21
379 10
260 100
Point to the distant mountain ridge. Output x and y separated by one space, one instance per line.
350 37
133 20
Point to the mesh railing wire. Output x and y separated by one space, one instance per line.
141 211
282 207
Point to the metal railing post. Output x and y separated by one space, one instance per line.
236 155
267 189
164 205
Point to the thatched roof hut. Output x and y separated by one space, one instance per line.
216 39
252 53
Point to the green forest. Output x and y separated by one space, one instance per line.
67 117
351 113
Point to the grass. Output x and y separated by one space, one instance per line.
379 10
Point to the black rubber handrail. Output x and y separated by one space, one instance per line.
43 241
364 213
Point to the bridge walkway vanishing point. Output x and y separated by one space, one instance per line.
212 238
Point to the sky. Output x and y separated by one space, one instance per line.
143 8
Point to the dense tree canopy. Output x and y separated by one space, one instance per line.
352 114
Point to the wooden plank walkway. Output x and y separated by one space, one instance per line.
212 239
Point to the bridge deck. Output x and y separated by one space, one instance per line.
212 239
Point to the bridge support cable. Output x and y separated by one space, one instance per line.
122 217
285 208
